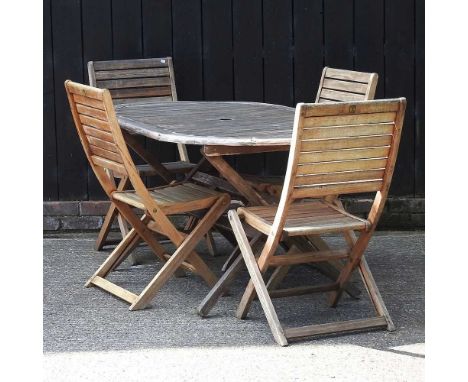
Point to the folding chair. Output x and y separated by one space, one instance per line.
106 150
344 148
138 80
336 85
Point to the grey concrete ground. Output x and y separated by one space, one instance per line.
90 335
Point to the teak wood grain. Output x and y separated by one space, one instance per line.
157 203
323 215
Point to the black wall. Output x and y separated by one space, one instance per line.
270 50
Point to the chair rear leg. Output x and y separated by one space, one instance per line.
106 227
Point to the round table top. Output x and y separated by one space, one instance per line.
209 123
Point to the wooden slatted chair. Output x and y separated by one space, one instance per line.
106 149
336 85
149 79
344 148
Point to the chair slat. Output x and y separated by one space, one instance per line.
109 164
340 95
347 75
353 87
350 119
96 123
92 112
99 151
337 189
326 167
87 101
109 146
336 177
131 73
161 91
346 143
93 132
344 154
346 131
134 83
130 64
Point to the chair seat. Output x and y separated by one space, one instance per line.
311 217
173 199
174 167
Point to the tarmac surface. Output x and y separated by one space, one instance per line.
89 335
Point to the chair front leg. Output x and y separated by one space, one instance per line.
257 279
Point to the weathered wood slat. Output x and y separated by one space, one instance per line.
93 132
160 91
348 131
325 167
337 177
96 123
350 119
114 289
308 257
88 101
340 95
134 83
347 188
103 144
109 164
348 143
130 64
347 75
335 327
92 112
131 73
96 150
346 86
380 106
344 154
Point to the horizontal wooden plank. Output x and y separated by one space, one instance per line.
109 164
346 143
345 188
339 95
85 91
93 132
131 64
335 177
347 86
347 131
134 83
335 327
142 99
114 289
141 92
350 119
344 154
97 104
96 150
302 290
308 257
96 123
109 146
92 112
131 73
326 167
347 75
344 108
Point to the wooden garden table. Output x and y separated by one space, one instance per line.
222 129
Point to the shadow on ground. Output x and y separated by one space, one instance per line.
78 319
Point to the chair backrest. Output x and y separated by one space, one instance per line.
344 148
100 134
339 85
150 79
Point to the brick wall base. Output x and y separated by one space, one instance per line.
399 214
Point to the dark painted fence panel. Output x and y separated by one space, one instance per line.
269 50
